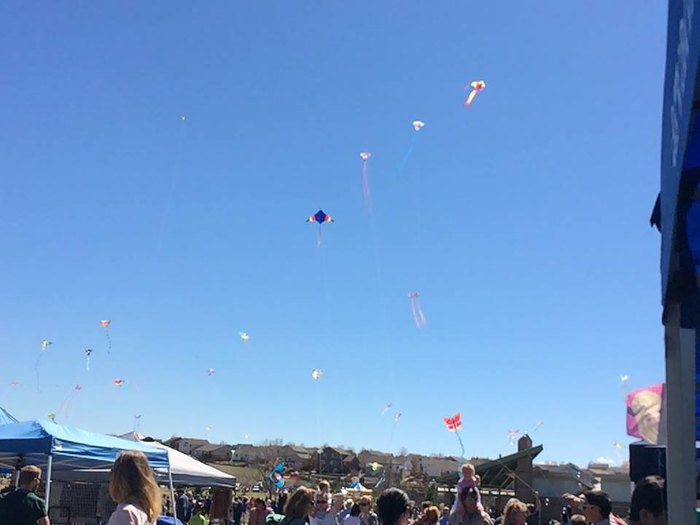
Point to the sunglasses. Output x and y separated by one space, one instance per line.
364 504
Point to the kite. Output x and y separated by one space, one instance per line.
105 324
538 424
51 416
416 310
211 372
397 416
513 434
68 400
137 422
275 475
45 343
14 382
476 86
244 336
375 465
618 445
119 382
88 353
365 156
453 424
316 374
417 126
624 379
386 408
320 218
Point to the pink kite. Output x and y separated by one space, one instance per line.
644 407
476 86
105 324
416 310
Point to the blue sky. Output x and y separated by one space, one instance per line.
522 220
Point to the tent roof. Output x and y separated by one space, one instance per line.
185 469
30 442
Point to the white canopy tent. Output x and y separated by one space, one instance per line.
185 470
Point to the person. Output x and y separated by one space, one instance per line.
300 504
445 518
648 505
134 489
182 506
596 507
237 510
345 511
22 506
514 513
259 512
198 515
325 509
578 518
367 517
353 518
468 511
431 515
393 507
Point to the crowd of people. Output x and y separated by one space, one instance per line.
139 501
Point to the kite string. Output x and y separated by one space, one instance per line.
408 153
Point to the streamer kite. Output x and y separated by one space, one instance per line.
476 86
513 434
105 324
244 336
68 400
320 218
211 372
45 343
386 408
397 416
51 416
275 475
453 424
365 156
416 310
88 353
417 126
119 382
316 374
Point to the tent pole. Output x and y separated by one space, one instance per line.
172 491
48 484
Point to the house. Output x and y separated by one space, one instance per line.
434 467
246 453
366 457
331 461
300 458
186 445
213 452
351 464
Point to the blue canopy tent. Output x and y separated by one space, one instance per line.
57 447
677 214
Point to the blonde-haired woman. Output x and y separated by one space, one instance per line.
299 505
134 489
514 513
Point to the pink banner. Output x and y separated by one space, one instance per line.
644 412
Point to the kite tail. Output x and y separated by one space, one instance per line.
418 315
36 371
408 153
319 238
461 445
470 98
87 364
109 342
365 187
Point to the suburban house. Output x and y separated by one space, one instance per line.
246 453
213 452
186 445
300 458
434 467
331 460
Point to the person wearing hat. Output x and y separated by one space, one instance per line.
596 507
198 516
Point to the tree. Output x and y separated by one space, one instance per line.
403 451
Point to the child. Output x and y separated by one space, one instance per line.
468 480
